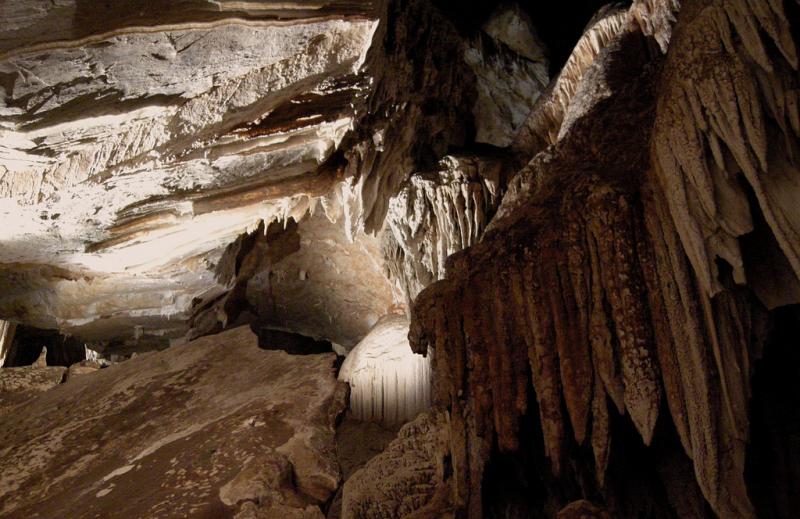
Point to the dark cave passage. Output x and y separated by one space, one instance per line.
28 343
773 456
292 343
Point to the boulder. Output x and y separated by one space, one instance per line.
407 480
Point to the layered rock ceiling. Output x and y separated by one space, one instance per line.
139 142
586 218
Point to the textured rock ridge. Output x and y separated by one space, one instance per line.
408 479
598 286
543 125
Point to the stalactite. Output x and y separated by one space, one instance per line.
655 18
437 214
663 336
720 114
543 360
629 290
696 400
624 290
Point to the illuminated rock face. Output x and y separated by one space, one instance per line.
134 147
331 287
438 213
136 144
389 383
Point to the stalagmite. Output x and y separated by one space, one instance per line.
388 382
6 339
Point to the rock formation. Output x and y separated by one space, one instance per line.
7 330
134 141
17 385
407 479
389 383
560 240
173 434
612 279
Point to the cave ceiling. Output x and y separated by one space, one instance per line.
139 141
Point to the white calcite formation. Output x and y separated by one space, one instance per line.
437 83
438 213
388 382
6 339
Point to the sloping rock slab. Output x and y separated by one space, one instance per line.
161 434
19 384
